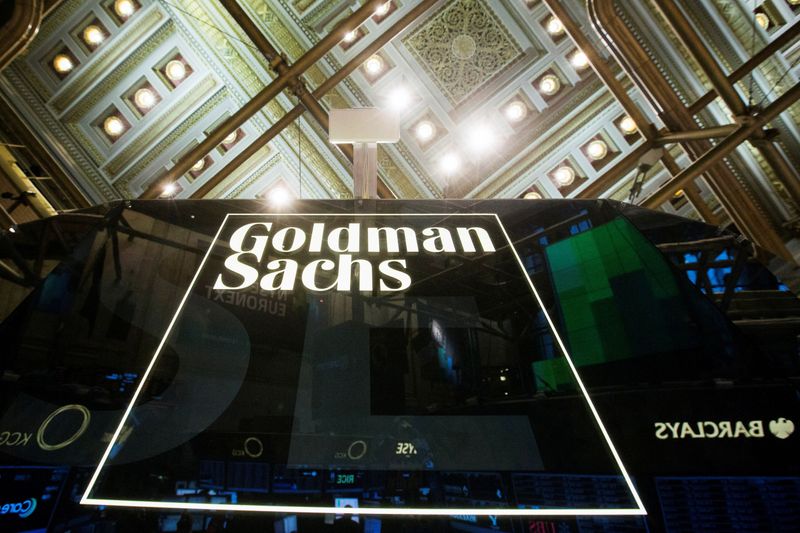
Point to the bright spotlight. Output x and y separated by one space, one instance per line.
480 138
279 196
450 163
169 190
399 99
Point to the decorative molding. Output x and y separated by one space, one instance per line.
141 144
101 63
133 61
462 47
158 148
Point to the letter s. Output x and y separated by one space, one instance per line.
661 431
386 269
249 274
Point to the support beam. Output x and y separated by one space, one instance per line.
257 144
610 177
723 148
278 65
748 66
715 132
683 29
264 96
603 70
600 66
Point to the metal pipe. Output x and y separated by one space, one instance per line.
683 29
600 66
738 202
261 99
612 175
616 88
714 132
278 65
723 148
319 92
788 35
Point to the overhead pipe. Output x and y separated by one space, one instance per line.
278 64
769 50
691 40
740 205
724 147
714 132
264 96
257 144
604 72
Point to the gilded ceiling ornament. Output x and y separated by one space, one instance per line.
462 47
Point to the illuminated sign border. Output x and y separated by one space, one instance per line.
425 511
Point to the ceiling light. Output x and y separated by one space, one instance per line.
554 26
350 36
374 65
549 84
794 2
175 70
678 193
124 8
597 149
516 111
93 35
564 176
450 163
63 63
480 138
145 98
627 125
169 189
199 166
279 196
113 126
579 60
231 138
383 9
399 98
425 131
532 195
762 20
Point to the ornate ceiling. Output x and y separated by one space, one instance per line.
492 101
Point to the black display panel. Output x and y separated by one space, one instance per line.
396 400
373 335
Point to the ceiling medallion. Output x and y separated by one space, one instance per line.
463 47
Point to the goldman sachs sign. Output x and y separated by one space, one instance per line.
351 345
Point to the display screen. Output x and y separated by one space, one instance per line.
413 357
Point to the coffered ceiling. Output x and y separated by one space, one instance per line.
494 99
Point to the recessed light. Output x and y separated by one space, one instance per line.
564 176
554 26
425 130
175 70
63 64
350 36
169 189
627 125
93 35
199 166
579 60
549 84
597 149
374 65
532 195
124 8
114 126
231 138
145 98
516 111
762 20
383 9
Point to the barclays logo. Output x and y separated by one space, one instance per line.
23 509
